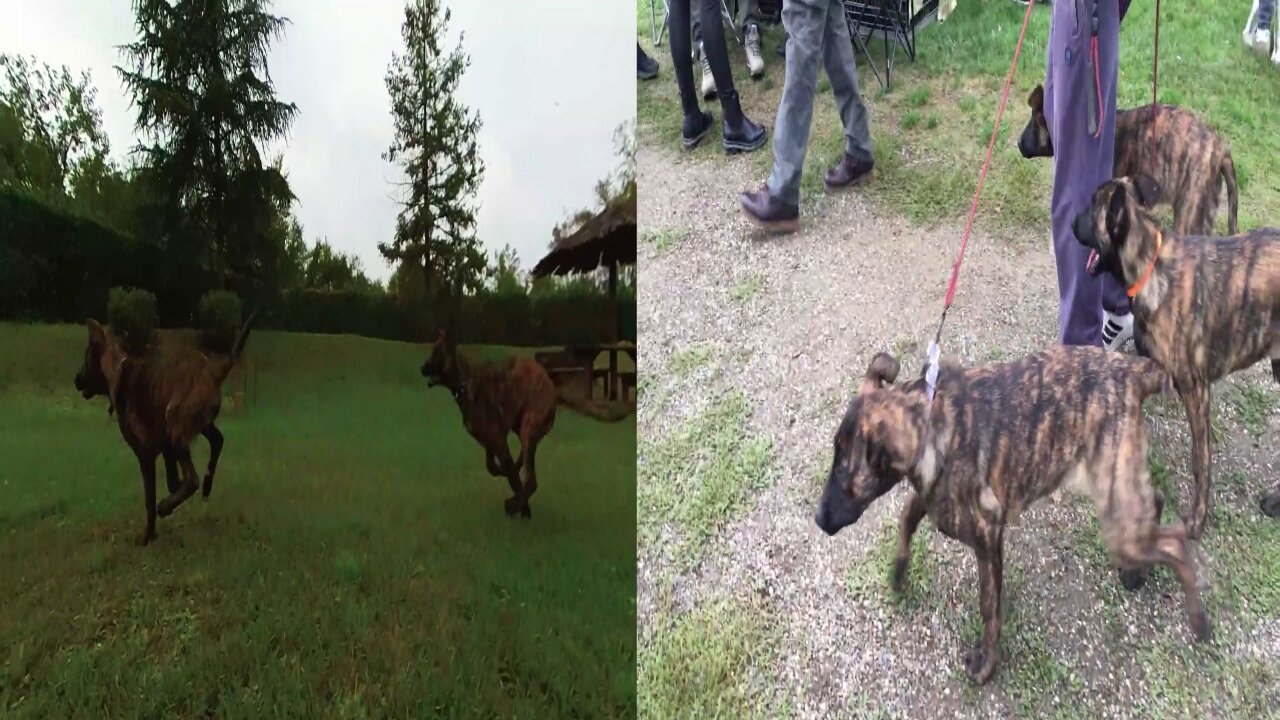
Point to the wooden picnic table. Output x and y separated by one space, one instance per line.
579 360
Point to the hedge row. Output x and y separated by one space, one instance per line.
491 319
56 266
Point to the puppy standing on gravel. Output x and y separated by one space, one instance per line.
1190 161
1208 305
993 441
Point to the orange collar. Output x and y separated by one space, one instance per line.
1151 266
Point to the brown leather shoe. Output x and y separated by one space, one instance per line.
848 172
769 212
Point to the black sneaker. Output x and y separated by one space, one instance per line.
696 127
646 67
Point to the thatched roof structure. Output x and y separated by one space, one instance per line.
606 240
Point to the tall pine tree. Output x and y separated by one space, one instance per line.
206 102
435 147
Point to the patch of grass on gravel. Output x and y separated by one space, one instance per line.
1030 677
869 579
700 478
747 289
1198 681
701 664
665 239
1245 547
1253 405
687 361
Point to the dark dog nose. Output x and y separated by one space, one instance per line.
1082 228
820 518
79 382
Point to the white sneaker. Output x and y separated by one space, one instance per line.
1261 41
708 80
755 59
1116 330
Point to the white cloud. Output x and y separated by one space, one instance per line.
550 79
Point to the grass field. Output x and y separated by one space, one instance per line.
353 560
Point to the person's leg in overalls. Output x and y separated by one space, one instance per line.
1083 159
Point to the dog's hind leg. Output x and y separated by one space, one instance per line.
188 488
170 470
214 436
148 466
912 513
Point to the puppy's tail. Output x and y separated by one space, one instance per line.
610 412
1233 197
238 347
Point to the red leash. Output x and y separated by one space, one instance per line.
986 164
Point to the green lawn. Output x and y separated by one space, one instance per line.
353 560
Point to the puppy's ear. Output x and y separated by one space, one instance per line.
1146 189
1118 213
882 371
1036 101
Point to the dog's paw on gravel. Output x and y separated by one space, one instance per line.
1200 626
899 579
977 666
1132 579
1270 504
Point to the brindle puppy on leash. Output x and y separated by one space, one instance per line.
1209 305
996 439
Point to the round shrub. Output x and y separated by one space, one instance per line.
219 317
132 315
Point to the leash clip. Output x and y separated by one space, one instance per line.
931 370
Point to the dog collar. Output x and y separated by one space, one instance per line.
1151 266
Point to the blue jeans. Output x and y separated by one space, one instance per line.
817 34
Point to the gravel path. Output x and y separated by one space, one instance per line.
792 322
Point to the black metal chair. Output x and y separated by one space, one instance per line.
895 20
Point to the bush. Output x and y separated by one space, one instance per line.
218 316
132 315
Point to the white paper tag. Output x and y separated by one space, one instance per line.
931 370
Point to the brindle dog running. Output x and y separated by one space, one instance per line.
515 396
1209 305
161 400
996 439
1190 160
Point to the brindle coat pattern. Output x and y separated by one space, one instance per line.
161 400
995 440
1188 159
514 396
1209 307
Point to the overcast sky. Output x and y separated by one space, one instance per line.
551 80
